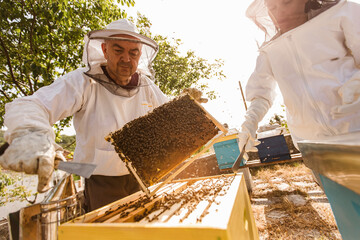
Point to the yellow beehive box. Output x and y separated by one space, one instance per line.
216 207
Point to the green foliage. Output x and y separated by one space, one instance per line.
11 190
5 180
280 120
67 142
175 72
41 40
76 177
2 139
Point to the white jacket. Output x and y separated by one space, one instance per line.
310 63
96 111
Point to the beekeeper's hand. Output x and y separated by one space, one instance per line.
251 143
350 94
254 114
33 152
196 94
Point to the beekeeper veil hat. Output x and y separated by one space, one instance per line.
93 55
259 14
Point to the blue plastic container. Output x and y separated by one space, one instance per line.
345 205
227 151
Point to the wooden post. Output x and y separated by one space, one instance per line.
242 94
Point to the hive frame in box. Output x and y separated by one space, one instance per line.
191 159
229 217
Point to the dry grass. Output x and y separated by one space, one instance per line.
288 204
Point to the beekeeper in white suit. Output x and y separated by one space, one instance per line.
312 51
113 90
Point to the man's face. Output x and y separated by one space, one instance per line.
122 58
287 14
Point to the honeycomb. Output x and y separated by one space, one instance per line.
159 141
175 205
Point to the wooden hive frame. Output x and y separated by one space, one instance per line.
168 177
228 216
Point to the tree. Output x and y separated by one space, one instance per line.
41 40
280 120
67 142
2 139
175 72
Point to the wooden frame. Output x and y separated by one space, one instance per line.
143 186
257 163
227 217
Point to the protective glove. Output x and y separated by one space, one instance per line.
251 143
32 151
247 135
350 94
196 94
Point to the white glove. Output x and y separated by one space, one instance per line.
350 94
254 114
251 143
31 151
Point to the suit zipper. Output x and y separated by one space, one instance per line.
298 61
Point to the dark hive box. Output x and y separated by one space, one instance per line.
159 141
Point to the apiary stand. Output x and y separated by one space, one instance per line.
225 213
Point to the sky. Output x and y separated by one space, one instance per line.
213 29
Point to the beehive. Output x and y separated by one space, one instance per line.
215 207
153 145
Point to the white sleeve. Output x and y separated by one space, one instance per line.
261 83
47 105
351 27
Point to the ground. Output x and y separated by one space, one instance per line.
288 204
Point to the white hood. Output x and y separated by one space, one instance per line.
93 55
94 58
310 64
259 14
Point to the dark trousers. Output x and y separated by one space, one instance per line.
101 190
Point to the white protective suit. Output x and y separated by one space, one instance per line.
98 106
97 112
310 64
